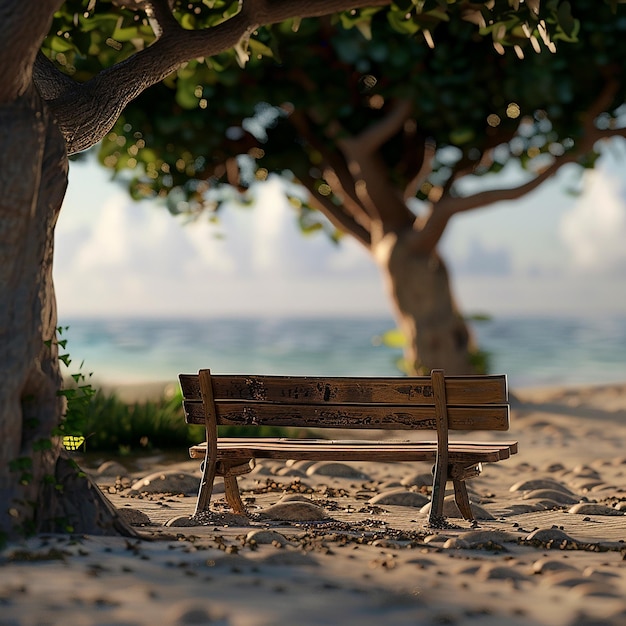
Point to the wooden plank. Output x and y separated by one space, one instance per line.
314 389
362 449
358 416
319 453
276 441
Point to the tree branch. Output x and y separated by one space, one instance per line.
449 205
428 149
335 171
86 112
337 216
382 131
374 190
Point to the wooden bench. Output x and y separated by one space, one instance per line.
436 403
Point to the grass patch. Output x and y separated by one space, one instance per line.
113 425
117 426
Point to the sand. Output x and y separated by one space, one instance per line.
349 543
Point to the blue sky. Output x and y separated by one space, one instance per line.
550 253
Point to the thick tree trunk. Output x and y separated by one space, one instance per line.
418 284
39 490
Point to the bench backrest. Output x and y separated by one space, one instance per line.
415 403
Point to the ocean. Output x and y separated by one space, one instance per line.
532 351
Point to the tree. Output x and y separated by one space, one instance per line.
47 114
383 131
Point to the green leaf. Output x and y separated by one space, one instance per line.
394 338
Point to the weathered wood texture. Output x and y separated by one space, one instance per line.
436 403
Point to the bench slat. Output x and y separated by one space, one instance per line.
319 449
378 444
363 416
312 389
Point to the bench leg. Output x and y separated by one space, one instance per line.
462 500
436 518
206 487
233 497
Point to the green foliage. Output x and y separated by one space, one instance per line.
213 123
78 396
123 428
120 427
103 423
181 138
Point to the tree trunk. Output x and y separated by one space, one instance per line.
39 489
418 284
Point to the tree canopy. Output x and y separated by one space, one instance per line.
308 84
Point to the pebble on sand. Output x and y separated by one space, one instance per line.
556 495
134 517
548 535
480 539
263 536
336 470
295 511
400 497
168 482
540 483
591 508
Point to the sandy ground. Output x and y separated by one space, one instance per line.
348 543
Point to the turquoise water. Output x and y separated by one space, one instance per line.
531 351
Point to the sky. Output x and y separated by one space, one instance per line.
550 253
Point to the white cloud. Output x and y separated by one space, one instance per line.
116 257
132 258
595 229
485 260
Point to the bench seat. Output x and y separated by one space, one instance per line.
355 450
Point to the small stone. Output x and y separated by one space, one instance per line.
481 539
549 566
294 512
556 495
586 484
549 535
596 590
567 578
499 572
554 467
418 480
336 470
168 482
591 508
400 497
134 517
266 537
194 612
540 483
586 471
